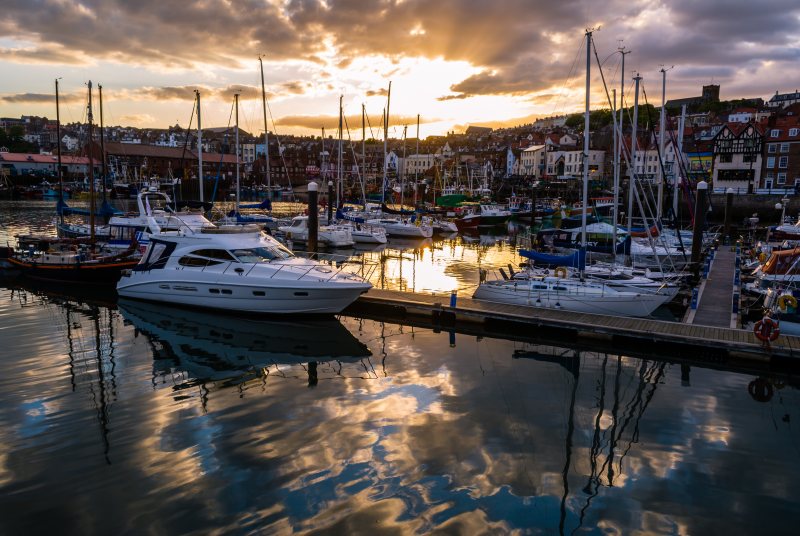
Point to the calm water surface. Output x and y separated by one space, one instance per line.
135 418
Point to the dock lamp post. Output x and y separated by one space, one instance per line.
728 209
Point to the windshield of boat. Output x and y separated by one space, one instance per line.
263 253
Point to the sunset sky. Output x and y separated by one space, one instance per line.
454 62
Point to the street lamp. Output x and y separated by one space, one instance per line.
782 207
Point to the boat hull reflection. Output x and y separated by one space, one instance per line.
214 347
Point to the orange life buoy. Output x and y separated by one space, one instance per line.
766 329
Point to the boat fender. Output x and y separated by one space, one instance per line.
762 257
766 329
760 389
288 235
787 300
561 272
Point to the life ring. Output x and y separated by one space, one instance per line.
766 329
762 257
760 389
786 300
561 272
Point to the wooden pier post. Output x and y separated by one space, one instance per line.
313 216
728 210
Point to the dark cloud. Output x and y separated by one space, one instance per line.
41 98
520 46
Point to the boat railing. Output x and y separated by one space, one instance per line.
339 264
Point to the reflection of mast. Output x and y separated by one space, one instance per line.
595 450
575 370
102 409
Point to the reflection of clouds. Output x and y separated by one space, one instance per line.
461 439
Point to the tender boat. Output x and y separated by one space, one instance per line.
238 268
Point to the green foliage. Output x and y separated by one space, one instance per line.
15 142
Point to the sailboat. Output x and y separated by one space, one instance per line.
70 260
574 294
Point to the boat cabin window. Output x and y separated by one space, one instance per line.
188 260
219 254
263 253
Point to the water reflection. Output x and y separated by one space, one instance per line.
213 347
177 421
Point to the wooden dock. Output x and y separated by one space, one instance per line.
716 292
502 318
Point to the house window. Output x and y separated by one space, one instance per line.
784 147
749 158
725 158
770 161
781 178
772 147
774 133
793 131
783 162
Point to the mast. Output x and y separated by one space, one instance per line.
102 145
678 164
363 152
199 145
403 176
385 136
634 143
661 140
586 142
89 118
236 105
58 151
339 187
621 142
416 165
615 208
266 133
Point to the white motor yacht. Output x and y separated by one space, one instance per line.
335 236
571 295
238 268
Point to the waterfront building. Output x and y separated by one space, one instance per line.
737 157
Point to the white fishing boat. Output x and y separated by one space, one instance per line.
616 277
335 236
238 268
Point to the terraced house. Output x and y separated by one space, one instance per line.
782 160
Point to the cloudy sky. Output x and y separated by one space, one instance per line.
454 62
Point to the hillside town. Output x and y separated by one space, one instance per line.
748 145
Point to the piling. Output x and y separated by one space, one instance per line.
699 223
313 216
330 202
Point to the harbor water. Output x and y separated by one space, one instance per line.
119 416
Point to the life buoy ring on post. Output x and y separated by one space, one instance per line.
766 329
561 272
786 300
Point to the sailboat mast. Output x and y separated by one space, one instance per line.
586 141
385 137
89 118
58 151
615 208
678 164
416 165
266 133
236 105
363 153
339 186
403 176
102 145
661 140
199 146
634 144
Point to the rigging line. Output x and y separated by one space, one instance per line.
568 79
